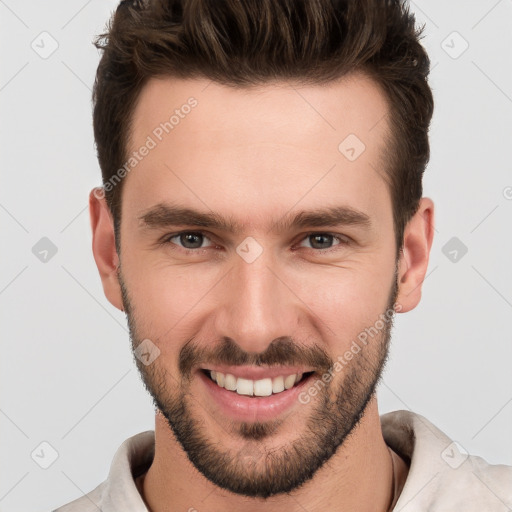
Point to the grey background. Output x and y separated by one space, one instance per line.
67 375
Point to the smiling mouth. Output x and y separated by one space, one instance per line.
256 388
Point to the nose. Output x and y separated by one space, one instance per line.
257 304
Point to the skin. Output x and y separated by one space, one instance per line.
258 155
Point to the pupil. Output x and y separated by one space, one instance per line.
325 237
189 237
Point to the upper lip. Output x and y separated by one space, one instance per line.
257 372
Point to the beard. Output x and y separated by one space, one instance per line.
253 470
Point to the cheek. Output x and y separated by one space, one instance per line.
165 300
345 300
175 302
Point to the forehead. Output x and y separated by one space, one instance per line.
352 104
223 147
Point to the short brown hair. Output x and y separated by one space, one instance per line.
251 42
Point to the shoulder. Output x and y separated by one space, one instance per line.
442 475
86 503
119 491
479 484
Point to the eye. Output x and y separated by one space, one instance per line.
192 241
323 241
189 240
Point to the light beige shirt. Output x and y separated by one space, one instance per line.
442 477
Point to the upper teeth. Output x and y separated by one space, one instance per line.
263 387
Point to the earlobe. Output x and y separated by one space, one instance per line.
413 261
104 247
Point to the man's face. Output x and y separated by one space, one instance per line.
272 295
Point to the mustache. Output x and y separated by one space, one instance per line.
283 351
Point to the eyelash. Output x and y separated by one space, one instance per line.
342 239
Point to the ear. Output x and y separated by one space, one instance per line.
104 247
413 261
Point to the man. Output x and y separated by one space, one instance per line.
261 221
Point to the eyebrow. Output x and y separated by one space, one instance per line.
166 215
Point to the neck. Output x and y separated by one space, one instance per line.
358 477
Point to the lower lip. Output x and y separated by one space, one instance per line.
252 408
